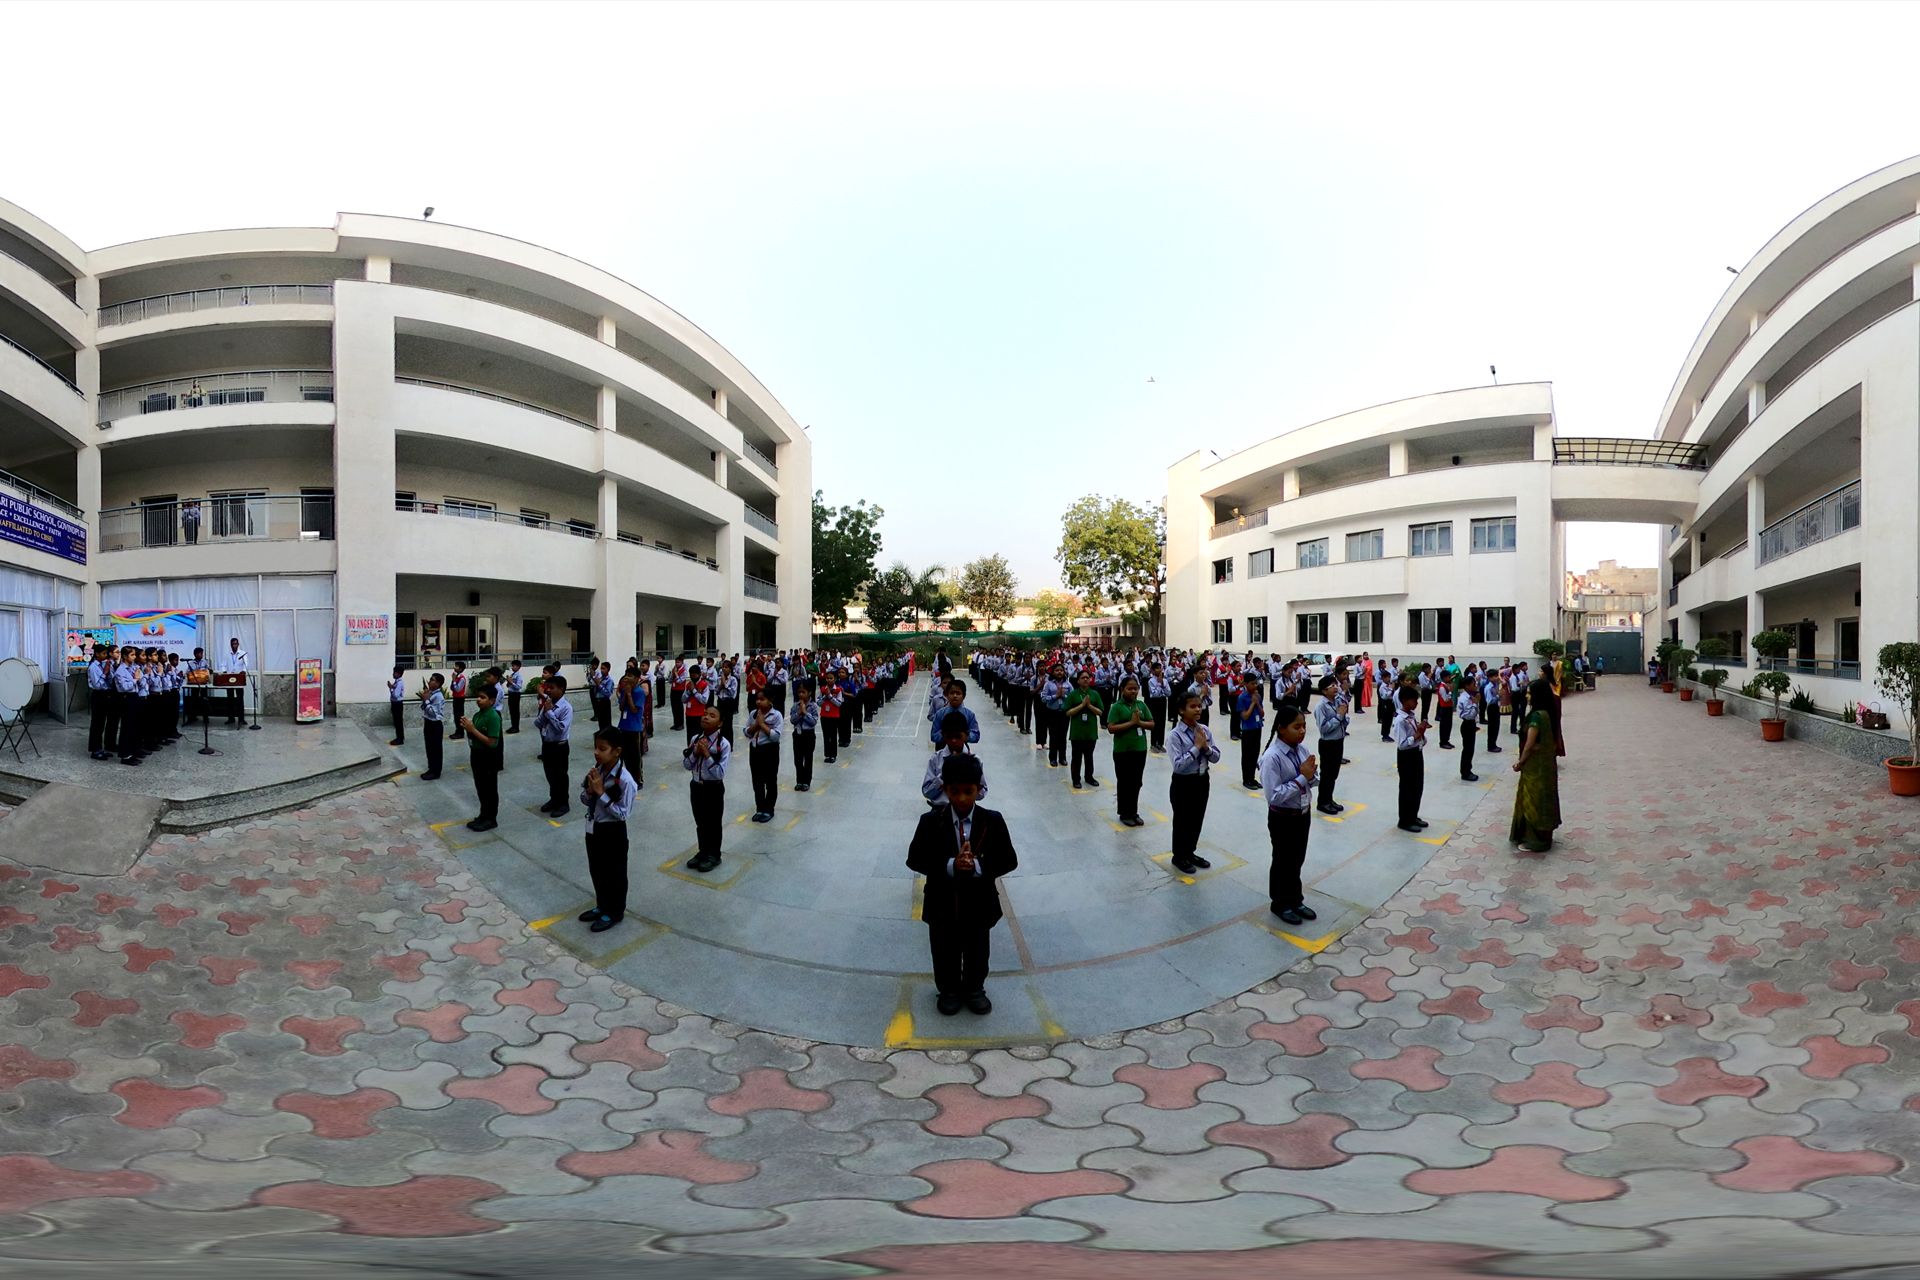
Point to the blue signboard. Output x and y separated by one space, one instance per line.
36 527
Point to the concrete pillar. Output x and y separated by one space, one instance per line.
609 331
720 401
87 497
1753 323
1756 512
614 612
1543 442
1289 484
379 268
1693 553
720 469
1756 399
370 546
1396 457
731 551
607 410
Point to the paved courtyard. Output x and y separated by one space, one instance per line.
1681 1045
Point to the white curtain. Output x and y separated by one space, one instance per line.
119 597
225 627
301 591
37 590
278 651
207 594
313 635
34 647
10 633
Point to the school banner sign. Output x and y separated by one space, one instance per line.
80 642
367 628
36 527
309 704
169 630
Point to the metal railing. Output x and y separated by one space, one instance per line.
69 383
1825 517
1253 520
1624 451
761 589
666 549
763 523
1673 592
196 521
764 458
1832 667
239 295
39 495
255 386
494 395
491 515
1733 550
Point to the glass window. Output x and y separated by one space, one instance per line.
289 591
313 635
1312 628
1495 533
1260 563
1223 631
1312 553
1494 625
534 519
468 508
1256 630
404 500
1370 545
1223 570
1430 539
1364 626
582 528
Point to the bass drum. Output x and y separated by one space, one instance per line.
20 685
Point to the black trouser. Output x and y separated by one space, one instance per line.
1426 702
960 956
777 695
708 800
1226 699
513 712
1250 758
1287 831
236 706
674 700
1493 728
847 723
100 720
1187 793
484 764
602 712
1129 767
553 759
434 729
630 740
1412 765
126 708
459 714
1333 754
764 760
1519 713
803 758
1055 724
1082 755
1469 730
1385 714
850 714
1042 723
398 710
830 732
1158 706
607 866
1446 726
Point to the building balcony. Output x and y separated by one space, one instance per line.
761 589
497 398
755 453
22 281
213 521
655 570
161 306
213 390
1348 580
35 494
762 523
42 389
1252 520
1825 517
1724 578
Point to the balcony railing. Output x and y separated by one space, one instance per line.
258 386
1733 550
490 515
761 589
1611 451
67 382
764 458
241 295
666 549
1253 521
1830 667
494 395
1673 592
763 523
240 518
1825 517
39 495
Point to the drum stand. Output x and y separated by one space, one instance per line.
14 731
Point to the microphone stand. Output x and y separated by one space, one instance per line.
255 726
206 746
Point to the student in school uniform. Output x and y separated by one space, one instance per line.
126 707
101 717
1192 749
1410 741
397 707
1086 713
1249 716
802 725
485 749
706 760
554 721
607 794
694 700
1467 706
234 663
1330 718
1386 697
433 715
831 714
516 685
728 693
1287 779
677 693
457 690
956 701
1052 720
1158 691
953 742
631 697
1490 689
1443 698
1423 681
962 849
764 729
1129 720
777 685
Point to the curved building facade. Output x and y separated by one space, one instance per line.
491 448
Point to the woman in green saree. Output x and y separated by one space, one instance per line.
1536 802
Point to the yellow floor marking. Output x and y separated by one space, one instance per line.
540 925
707 881
1225 862
552 823
621 953
1159 816
442 826
1048 1027
1353 809
793 822
1312 946
742 818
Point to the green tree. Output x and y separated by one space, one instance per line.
1114 549
930 595
889 597
987 587
1052 611
845 542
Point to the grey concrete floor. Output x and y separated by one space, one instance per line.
810 926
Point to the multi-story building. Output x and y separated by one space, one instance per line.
494 448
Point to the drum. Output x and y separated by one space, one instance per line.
19 685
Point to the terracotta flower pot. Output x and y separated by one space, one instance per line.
1715 706
1903 775
1686 695
1773 730
1666 686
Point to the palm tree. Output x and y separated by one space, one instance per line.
928 596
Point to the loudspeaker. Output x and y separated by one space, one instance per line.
473 597
1456 459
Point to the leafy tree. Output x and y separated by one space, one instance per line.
889 598
845 542
931 594
987 587
1114 549
1052 611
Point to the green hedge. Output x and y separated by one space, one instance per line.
924 644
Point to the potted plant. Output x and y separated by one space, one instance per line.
1772 646
1899 679
1681 659
1690 674
1775 683
1714 648
1663 654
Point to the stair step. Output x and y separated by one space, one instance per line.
204 815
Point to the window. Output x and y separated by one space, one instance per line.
1312 553
1430 626
533 640
1368 626
1494 625
316 513
1223 630
1311 628
239 513
1256 630
582 529
1370 545
317 394
159 520
404 500
534 519
468 508
580 639
1496 533
237 395
1223 571
1259 563
1430 539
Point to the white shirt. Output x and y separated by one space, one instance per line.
233 662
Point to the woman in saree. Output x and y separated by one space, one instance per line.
1536 802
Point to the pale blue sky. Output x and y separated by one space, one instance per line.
958 239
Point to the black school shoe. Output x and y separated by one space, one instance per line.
1289 914
948 1005
1409 826
978 1003
1469 777
603 924
591 913
1184 867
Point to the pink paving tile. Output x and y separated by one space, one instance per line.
1848 976
537 995
1570 955
203 1031
1550 1082
314 975
13 978
155 1106
424 1206
1306 1143
1572 916
1831 1059
27 1182
323 1035
170 916
1727 948
1764 998
452 911
51 888
1301 1037
1505 911
96 1008
486 951
338 1115
405 967
1668 1010
1462 1003
1447 902
1526 1171
224 971
1372 984
1563 1011
623 1044
441 1023
1777 1163
141 958
238 923
1170 1089
765 1089
1650 956
1412 1067
19 1065
10 916
965 1112
981 1189
247 886
1703 1078
666 1153
515 1090
106 904
311 926
1418 939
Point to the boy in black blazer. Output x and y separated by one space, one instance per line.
962 850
